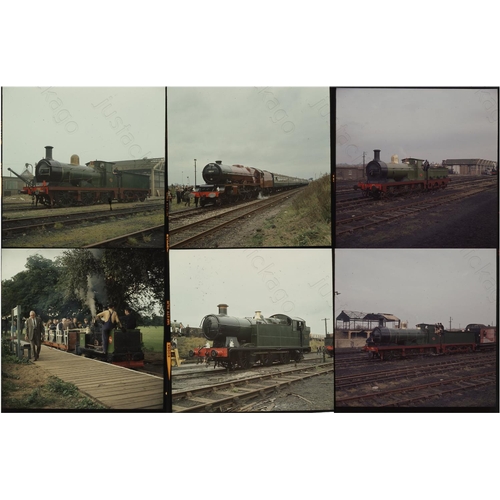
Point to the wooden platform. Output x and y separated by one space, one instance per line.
114 387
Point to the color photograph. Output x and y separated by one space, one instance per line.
251 330
249 167
416 329
83 167
416 168
82 329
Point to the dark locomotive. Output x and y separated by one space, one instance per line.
57 184
388 343
329 344
244 342
231 183
410 176
124 346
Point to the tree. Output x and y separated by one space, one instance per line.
132 277
34 289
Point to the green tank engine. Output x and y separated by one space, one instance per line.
243 342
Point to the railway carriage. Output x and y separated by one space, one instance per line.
243 342
124 347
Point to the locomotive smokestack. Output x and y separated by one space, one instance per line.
48 152
223 309
219 162
376 155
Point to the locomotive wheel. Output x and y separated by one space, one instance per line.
285 358
128 196
267 359
64 199
244 360
87 198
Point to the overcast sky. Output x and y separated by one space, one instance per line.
14 260
105 123
278 281
420 286
432 124
284 130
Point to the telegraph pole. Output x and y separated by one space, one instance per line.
326 329
450 321
195 172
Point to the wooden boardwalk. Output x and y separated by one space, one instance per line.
113 386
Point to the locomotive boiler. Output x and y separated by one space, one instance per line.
58 184
412 175
243 342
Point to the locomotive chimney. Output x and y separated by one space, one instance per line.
74 160
48 152
223 309
219 162
376 155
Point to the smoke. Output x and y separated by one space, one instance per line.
96 288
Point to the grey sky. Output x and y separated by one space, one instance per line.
421 286
432 124
292 282
14 260
284 130
105 123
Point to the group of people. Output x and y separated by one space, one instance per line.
37 330
184 194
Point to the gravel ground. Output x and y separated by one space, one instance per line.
238 234
471 223
314 394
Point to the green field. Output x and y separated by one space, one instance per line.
152 337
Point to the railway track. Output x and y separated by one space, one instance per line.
344 204
346 381
20 225
389 214
228 396
414 385
133 239
189 234
405 396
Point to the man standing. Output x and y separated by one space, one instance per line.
130 322
110 320
34 334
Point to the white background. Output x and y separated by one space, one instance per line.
248 456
